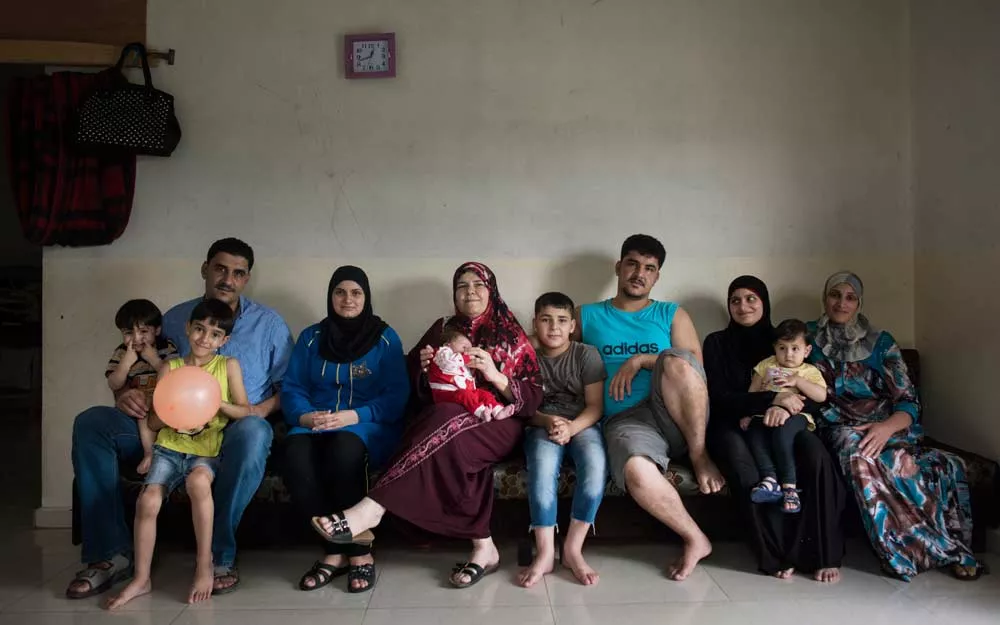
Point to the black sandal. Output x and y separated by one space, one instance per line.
341 534
473 570
322 573
361 573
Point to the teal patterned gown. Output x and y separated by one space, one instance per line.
914 500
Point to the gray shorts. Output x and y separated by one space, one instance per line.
647 429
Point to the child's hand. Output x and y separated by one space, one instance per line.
553 421
790 381
149 353
143 468
745 423
130 355
560 432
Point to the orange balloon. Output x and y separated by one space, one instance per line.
187 398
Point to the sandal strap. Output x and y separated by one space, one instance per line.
93 575
98 575
321 571
362 571
231 572
339 524
469 568
767 484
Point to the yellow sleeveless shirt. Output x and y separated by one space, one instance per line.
207 442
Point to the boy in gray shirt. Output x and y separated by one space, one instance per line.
573 377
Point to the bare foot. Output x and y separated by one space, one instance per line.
785 573
541 565
135 588
709 477
693 553
505 412
201 587
143 467
485 555
829 575
581 570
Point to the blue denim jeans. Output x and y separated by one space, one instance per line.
545 458
170 468
104 436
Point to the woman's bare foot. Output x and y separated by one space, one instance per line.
201 587
709 477
136 588
485 554
785 573
541 565
694 552
581 570
827 575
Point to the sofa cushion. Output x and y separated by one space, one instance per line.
509 482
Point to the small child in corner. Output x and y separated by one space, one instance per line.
137 361
772 439
189 458
451 380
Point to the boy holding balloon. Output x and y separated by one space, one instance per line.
194 399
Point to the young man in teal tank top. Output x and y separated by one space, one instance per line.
656 398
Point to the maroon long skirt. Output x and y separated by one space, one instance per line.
442 480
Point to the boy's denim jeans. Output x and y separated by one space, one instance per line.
104 436
545 458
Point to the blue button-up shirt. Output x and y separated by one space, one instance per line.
261 341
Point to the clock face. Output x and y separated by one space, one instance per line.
370 56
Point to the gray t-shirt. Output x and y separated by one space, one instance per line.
565 376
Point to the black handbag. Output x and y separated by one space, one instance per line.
127 118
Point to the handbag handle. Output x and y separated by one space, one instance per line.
141 51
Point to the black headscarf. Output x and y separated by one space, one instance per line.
730 356
345 340
750 345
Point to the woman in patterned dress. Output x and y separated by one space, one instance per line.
914 500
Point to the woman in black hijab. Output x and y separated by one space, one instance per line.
343 398
813 540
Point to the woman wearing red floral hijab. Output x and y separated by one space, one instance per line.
442 479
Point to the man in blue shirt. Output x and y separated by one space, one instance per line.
103 436
656 398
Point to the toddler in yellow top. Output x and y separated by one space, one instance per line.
189 457
771 437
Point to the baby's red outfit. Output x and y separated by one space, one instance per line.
451 381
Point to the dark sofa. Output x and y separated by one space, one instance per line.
269 521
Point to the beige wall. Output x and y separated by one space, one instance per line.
956 144
767 137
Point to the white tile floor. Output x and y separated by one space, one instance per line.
411 590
